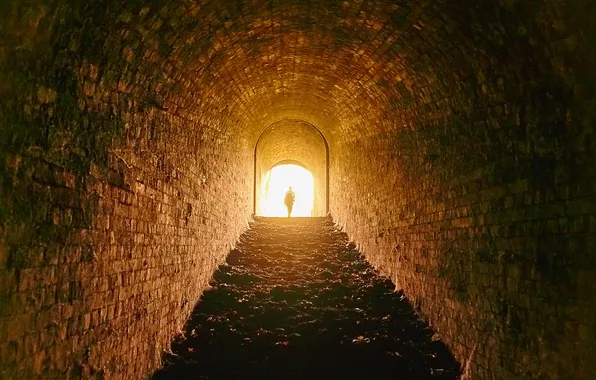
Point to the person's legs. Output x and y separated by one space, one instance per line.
289 210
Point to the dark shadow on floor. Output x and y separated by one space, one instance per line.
297 301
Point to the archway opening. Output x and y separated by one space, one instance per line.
276 183
293 141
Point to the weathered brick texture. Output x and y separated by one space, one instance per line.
481 204
116 200
461 142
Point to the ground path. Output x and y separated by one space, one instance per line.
296 301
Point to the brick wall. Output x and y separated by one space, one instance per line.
501 266
117 201
481 206
461 142
113 266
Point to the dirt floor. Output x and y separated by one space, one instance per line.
296 300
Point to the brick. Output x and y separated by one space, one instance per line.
455 127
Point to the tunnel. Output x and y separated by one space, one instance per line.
452 140
293 142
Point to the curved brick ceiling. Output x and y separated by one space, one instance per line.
331 60
291 140
338 65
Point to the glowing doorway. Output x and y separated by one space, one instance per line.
275 184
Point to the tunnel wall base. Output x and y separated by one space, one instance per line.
497 260
106 270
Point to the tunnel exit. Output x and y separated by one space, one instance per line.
301 148
276 183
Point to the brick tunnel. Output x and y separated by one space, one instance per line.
454 145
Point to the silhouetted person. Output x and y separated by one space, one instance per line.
289 200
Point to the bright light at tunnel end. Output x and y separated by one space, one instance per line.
275 184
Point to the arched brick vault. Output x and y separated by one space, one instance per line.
296 140
460 136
